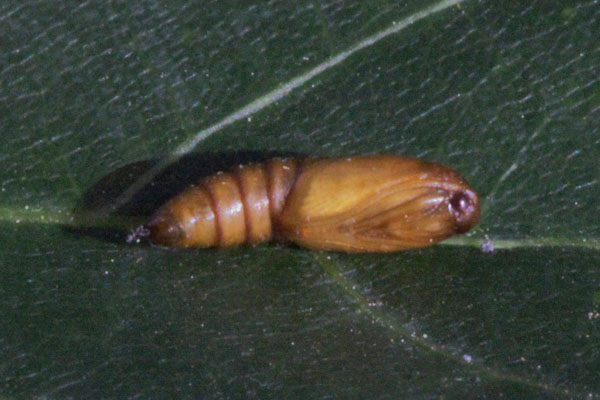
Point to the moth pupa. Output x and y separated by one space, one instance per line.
378 203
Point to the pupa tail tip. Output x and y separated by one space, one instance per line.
137 234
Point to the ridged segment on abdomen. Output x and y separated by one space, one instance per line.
227 208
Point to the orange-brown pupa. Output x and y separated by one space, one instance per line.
375 203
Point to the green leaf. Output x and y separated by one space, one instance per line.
106 108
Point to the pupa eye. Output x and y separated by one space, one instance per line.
460 202
465 209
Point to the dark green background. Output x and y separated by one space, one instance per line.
508 93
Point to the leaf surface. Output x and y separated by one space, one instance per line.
103 100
